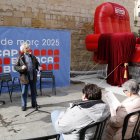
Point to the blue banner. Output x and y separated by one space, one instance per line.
51 47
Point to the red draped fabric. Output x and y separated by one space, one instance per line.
116 49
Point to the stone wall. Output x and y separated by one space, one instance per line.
74 15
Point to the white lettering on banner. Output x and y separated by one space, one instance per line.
50 60
44 42
6 41
30 42
19 42
45 59
7 69
14 52
50 42
119 11
36 42
8 52
13 60
9 59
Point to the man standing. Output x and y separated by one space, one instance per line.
27 65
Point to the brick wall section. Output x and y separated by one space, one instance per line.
74 15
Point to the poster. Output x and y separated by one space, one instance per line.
51 47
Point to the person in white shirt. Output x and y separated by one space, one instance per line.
90 110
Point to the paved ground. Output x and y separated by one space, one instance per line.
15 126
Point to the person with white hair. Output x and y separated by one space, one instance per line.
130 104
27 65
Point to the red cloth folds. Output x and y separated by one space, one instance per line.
116 49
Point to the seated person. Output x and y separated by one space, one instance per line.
90 110
113 130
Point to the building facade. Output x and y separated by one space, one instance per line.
74 15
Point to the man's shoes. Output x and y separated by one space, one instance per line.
23 108
34 106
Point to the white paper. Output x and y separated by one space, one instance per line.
112 100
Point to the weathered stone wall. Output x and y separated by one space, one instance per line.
74 15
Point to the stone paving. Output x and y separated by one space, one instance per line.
15 126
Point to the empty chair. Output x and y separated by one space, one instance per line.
93 131
6 81
3 102
47 77
132 119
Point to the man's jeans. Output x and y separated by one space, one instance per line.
54 117
25 93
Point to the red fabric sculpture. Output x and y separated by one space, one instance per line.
112 41
116 49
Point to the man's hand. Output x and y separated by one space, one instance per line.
23 67
40 68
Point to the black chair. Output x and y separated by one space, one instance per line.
55 136
6 81
136 129
3 102
97 127
47 77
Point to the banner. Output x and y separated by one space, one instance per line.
51 47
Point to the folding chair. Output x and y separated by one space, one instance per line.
97 127
3 102
47 77
136 125
54 137
6 81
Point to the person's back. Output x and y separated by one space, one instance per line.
90 110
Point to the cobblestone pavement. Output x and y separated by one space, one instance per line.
15 126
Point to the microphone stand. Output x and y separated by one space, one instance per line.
37 106
36 109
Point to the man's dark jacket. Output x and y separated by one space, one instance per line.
23 73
